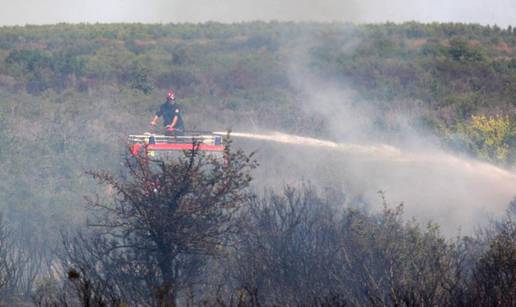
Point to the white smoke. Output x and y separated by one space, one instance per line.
23 12
363 157
457 193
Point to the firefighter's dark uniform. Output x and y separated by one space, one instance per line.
168 111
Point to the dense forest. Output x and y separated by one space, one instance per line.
70 95
453 77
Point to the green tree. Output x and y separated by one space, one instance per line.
460 50
489 136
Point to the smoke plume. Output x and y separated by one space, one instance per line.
362 157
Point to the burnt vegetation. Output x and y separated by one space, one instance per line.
152 241
189 232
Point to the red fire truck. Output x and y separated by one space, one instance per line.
163 147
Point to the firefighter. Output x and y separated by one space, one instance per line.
171 112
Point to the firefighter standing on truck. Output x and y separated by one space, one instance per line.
171 112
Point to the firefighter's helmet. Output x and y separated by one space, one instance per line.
171 95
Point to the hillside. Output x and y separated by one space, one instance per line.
443 73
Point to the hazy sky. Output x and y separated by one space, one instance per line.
20 12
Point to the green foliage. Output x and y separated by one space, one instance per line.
488 137
460 50
138 78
